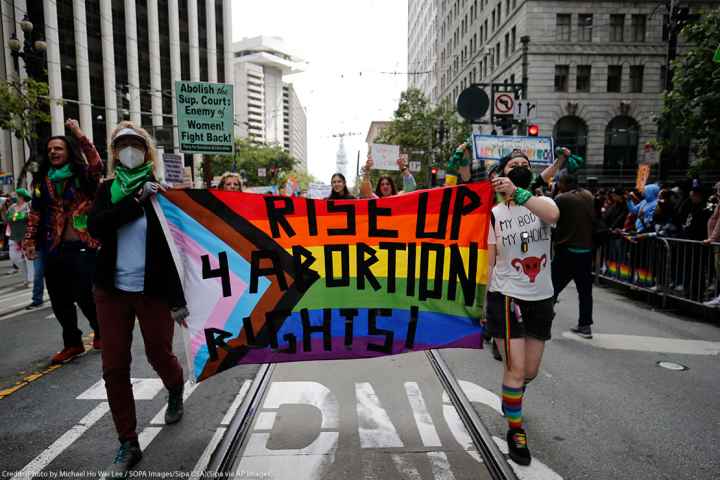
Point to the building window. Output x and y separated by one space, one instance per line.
614 79
666 28
571 132
583 78
663 77
562 72
622 135
617 27
638 28
481 34
585 26
636 78
562 27
513 35
507 45
497 56
499 14
514 4
486 30
493 19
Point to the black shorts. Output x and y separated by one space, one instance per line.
536 317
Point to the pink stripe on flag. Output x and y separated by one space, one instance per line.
192 252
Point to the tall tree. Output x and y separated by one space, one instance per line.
249 157
415 126
692 107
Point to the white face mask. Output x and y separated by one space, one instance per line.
131 157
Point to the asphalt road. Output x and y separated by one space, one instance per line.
600 409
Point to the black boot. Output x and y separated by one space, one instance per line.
128 455
174 411
517 446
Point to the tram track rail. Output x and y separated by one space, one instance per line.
230 447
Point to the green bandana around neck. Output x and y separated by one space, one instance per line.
59 175
129 180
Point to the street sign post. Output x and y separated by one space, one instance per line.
205 116
504 104
525 109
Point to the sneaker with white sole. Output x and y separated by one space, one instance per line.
585 331
715 302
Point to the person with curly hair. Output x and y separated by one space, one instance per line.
63 192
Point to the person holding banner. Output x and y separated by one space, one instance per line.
339 188
520 294
135 277
386 185
63 191
230 182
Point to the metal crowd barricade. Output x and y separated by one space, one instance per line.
669 268
692 274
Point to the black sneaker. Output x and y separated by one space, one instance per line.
517 446
33 306
128 455
584 332
174 411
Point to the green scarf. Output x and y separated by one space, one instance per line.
59 175
128 181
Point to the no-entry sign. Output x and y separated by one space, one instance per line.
205 117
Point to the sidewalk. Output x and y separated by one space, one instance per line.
14 297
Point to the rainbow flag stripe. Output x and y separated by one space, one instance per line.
281 279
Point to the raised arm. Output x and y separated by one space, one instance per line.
556 166
95 165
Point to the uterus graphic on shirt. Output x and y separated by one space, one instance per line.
530 266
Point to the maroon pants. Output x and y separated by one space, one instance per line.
116 313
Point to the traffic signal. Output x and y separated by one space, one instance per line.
533 130
433 176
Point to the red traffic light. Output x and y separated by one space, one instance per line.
533 130
434 170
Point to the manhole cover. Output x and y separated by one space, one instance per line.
672 366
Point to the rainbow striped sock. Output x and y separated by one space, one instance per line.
512 405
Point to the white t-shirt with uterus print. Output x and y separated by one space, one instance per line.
522 263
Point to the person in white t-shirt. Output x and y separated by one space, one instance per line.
520 294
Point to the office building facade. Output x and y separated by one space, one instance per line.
109 60
268 109
596 69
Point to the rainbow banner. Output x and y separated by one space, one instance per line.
282 279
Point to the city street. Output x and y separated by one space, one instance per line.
600 408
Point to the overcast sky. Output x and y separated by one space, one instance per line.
346 44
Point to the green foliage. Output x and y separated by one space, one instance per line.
414 127
23 105
251 156
692 107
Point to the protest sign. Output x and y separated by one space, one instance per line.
643 173
205 117
539 150
283 279
318 190
174 168
384 157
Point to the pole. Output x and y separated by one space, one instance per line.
524 40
